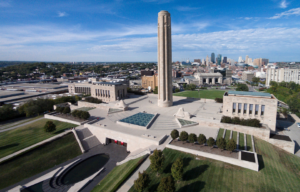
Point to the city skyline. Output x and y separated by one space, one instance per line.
126 31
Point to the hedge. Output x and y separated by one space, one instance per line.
239 121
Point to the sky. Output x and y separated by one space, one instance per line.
126 30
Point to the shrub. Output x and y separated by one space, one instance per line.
93 100
59 109
201 139
155 91
219 100
236 120
166 185
177 169
141 182
226 119
221 143
183 136
192 138
242 87
49 126
76 113
231 145
84 115
174 134
66 110
157 160
177 90
211 142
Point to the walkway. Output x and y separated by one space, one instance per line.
3 129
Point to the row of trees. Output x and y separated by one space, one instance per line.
63 110
7 112
242 87
239 121
93 100
81 114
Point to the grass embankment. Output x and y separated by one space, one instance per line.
234 136
19 122
227 135
38 160
205 94
25 136
279 171
117 176
220 134
249 143
241 142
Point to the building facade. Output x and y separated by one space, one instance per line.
105 91
209 78
251 105
212 57
282 74
247 76
150 82
165 93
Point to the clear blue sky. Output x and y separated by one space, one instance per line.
116 30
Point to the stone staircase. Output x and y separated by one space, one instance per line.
87 139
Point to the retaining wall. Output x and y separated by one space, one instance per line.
61 119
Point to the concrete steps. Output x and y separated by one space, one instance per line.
90 142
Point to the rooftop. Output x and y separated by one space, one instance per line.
248 93
107 83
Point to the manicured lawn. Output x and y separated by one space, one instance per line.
22 137
227 135
220 134
279 171
234 136
116 176
207 94
38 160
241 142
19 122
249 143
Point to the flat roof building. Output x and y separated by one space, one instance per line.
247 76
282 74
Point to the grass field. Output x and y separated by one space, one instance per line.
206 94
279 171
234 136
116 176
241 142
19 122
38 160
249 143
227 135
22 137
220 134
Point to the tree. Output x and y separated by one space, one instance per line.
294 103
49 126
191 87
174 134
66 110
192 138
183 136
155 91
76 113
177 169
231 145
211 142
201 139
221 143
157 160
166 185
177 90
255 79
285 112
242 87
84 115
141 182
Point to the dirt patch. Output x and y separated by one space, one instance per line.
206 149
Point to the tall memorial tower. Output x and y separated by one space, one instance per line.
165 93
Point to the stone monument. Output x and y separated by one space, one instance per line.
165 93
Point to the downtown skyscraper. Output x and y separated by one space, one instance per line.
212 57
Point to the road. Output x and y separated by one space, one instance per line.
20 125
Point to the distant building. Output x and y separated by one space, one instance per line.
175 73
260 62
225 60
197 60
147 72
246 59
209 78
247 75
207 60
240 59
251 105
282 74
213 57
219 58
149 82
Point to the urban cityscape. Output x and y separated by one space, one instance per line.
98 103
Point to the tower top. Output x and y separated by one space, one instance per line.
163 12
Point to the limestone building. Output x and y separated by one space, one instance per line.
106 91
149 82
247 76
209 78
251 105
165 94
282 74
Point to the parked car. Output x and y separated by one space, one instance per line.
298 124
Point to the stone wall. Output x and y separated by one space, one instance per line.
47 116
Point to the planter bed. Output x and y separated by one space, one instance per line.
206 149
248 156
70 117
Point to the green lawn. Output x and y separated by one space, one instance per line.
249 143
279 171
227 135
19 122
114 179
234 136
241 142
220 134
207 94
25 136
38 160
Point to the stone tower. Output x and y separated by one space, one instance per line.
165 93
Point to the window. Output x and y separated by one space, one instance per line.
256 109
262 110
250 108
245 108
234 107
240 108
